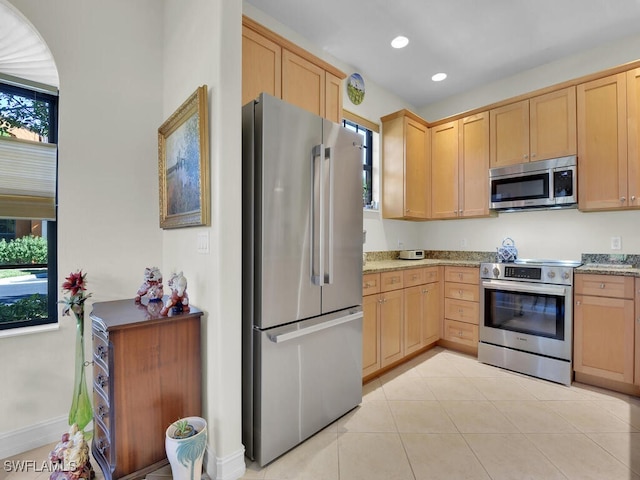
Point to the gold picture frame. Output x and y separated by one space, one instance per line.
183 164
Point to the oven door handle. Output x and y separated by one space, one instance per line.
557 290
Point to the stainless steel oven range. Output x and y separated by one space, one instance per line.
526 322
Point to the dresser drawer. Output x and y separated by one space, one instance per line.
462 291
461 310
614 286
462 275
460 332
101 382
391 281
370 283
101 446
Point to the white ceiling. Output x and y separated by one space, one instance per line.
474 41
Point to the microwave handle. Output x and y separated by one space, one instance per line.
556 290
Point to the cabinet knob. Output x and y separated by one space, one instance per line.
102 380
525 156
602 285
103 410
623 199
102 351
578 302
460 292
533 155
633 198
102 446
425 291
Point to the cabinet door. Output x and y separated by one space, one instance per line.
444 170
509 127
391 323
473 176
417 170
430 313
552 125
261 66
604 337
602 143
370 334
633 158
303 83
413 317
333 98
637 328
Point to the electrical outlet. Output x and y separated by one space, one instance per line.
616 243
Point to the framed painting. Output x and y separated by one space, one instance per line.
183 164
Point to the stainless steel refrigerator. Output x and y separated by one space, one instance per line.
302 275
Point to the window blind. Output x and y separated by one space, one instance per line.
27 179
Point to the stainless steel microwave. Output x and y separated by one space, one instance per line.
547 183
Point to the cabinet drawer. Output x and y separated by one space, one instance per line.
370 283
461 332
101 382
461 310
431 274
604 286
462 275
413 277
462 291
101 445
391 281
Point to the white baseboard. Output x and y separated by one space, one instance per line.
230 467
35 436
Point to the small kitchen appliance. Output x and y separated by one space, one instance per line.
526 322
412 254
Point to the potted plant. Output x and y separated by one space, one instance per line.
185 441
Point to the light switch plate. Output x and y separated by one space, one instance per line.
616 243
203 243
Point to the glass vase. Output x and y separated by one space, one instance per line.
81 412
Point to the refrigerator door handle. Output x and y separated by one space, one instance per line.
328 279
283 337
317 215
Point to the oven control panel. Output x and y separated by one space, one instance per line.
553 274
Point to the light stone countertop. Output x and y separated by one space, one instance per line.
377 266
605 270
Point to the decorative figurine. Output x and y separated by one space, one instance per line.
152 286
178 301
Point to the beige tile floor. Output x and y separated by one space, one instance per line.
445 416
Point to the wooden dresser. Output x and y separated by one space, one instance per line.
146 375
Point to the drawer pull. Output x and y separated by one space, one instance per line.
102 446
602 285
102 380
367 285
460 292
103 410
414 277
425 291
101 351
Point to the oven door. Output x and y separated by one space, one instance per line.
531 317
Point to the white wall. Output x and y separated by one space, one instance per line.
108 56
203 46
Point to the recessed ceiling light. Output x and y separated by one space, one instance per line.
400 42
438 77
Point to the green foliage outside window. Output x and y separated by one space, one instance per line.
30 308
23 251
17 111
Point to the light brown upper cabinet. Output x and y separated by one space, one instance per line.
405 167
460 168
539 128
272 64
608 142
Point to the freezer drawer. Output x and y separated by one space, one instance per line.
307 375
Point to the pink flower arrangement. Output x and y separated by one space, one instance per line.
75 285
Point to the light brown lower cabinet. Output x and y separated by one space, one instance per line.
421 308
637 316
401 315
461 306
604 339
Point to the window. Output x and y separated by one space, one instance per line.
28 180
367 160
